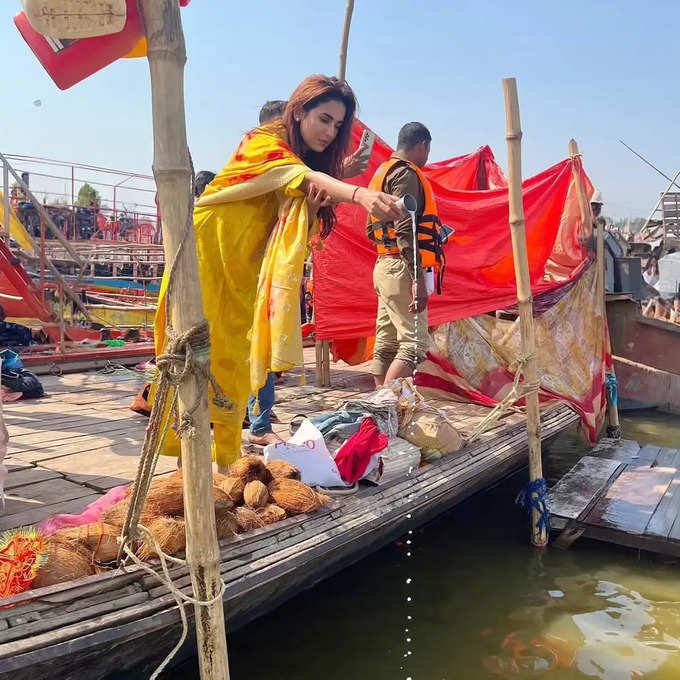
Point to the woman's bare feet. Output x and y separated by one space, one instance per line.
264 439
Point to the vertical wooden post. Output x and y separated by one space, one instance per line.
326 350
345 39
73 205
42 255
584 204
167 56
323 361
586 215
539 535
62 335
5 199
318 376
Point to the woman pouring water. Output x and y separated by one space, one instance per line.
253 223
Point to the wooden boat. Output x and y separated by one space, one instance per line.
26 303
646 357
122 623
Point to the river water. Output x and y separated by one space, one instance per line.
475 601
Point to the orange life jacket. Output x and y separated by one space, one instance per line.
428 227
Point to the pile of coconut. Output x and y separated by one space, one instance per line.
251 496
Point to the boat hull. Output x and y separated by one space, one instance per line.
121 625
646 356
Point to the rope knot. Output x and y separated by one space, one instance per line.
186 427
532 497
180 357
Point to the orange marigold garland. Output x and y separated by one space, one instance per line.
22 552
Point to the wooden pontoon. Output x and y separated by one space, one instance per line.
622 493
80 442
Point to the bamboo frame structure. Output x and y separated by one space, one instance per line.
323 359
167 56
345 39
539 535
586 215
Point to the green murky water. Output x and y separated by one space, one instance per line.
474 601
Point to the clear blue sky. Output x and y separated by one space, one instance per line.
596 71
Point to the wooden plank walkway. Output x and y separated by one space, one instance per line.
622 493
81 439
124 621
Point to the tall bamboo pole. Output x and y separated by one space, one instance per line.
583 203
586 216
539 536
323 360
167 56
345 39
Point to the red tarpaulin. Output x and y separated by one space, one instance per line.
480 271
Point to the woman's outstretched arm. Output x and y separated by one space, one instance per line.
380 205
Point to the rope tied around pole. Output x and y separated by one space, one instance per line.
166 579
187 355
612 387
520 389
532 497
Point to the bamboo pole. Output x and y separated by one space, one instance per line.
318 376
345 39
539 536
326 349
583 203
323 361
614 428
167 56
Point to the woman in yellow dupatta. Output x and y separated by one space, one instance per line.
252 228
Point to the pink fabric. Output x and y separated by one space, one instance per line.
92 513
354 456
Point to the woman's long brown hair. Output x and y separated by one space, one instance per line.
311 92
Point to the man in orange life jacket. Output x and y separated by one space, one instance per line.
399 274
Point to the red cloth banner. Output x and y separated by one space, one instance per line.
480 272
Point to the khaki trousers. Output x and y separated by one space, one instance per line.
399 334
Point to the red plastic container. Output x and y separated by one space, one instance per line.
70 61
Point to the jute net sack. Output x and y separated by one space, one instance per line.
100 539
67 560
